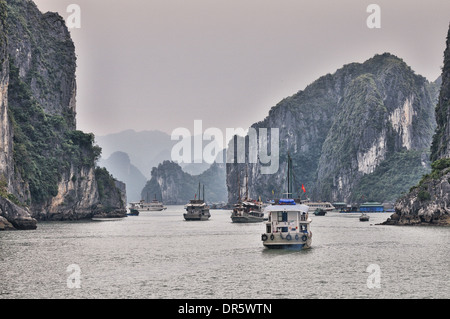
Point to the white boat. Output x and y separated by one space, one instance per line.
288 224
197 210
153 206
326 206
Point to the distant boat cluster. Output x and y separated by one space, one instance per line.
287 221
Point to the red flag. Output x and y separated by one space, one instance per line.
304 189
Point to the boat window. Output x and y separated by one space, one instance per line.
282 216
269 229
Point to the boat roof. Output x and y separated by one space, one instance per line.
371 204
287 208
196 204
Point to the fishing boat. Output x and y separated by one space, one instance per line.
247 210
364 218
288 224
197 209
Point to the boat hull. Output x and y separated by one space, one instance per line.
246 219
193 217
286 241
152 209
106 219
291 246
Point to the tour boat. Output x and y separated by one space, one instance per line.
197 209
153 206
288 225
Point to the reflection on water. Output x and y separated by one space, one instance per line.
159 255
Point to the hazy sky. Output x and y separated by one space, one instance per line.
161 64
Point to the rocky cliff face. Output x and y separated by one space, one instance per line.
46 165
344 129
441 140
428 203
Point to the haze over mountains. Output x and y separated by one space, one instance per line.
131 157
362 133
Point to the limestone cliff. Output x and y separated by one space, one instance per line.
346 130
428 203
47 167
172 185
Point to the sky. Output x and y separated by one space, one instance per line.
161 64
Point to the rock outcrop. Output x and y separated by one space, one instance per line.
428 203
13 216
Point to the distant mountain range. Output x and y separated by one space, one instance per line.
146 149
132 156
120 166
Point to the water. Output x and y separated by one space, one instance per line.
159 255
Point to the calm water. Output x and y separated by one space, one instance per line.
159 255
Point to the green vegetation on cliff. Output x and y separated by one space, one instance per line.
394 176
44 147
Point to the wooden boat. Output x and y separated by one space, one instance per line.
247 210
